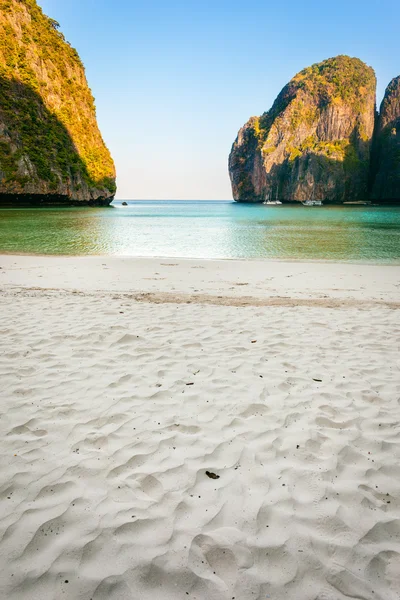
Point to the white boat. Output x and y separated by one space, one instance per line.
312 203
272 202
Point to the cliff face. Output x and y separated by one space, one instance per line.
386 156
51 150
315 141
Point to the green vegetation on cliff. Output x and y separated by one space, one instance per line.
339 79
49 138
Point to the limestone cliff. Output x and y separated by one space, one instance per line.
51 150
386 156
315 141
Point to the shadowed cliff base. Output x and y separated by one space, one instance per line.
39 162
47 200
313 176
385 165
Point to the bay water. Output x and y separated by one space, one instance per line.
206 229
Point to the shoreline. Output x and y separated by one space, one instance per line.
389 263
206 281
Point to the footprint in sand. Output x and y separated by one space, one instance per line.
208 559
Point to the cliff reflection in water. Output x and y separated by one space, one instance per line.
330 234
72 231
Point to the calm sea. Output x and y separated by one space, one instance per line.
207 230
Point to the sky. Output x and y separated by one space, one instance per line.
174 80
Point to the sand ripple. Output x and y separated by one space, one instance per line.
112 412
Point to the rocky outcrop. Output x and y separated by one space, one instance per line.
315 141
386 155
51 150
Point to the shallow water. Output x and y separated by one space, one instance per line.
198 229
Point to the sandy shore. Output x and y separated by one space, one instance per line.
124 381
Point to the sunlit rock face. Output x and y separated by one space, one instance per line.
386 156
315 141
51 149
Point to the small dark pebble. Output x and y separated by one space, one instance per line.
190 383
66 581
212 475
320 380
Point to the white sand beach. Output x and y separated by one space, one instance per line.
124 381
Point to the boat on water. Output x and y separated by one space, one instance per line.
312 203
272 202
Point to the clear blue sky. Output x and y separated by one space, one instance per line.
174 80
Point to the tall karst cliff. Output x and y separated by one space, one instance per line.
386 155
315 141
51 150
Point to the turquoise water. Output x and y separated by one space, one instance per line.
207 230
